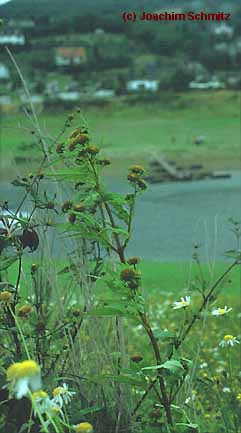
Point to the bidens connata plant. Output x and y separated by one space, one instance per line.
76 310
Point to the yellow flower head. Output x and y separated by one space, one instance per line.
12 371
5 296
59 390
28 368
24 377
228 337
84 427
22 369
56 409
40 395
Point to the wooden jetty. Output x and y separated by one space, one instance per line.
162 170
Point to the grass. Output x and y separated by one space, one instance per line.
132 133
159 278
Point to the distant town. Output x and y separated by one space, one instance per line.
97 65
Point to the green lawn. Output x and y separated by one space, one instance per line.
161 278
131 133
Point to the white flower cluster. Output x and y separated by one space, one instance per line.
24 380
53 406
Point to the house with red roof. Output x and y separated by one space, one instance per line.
70 56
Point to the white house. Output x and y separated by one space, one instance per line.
223 30
4 72
206 86
104 93
12 40
35 99
68 96
138 85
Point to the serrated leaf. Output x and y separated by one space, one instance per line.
173 365
118 202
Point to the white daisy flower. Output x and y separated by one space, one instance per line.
24 377
62 395
42 400
228 340
221 311
185 302
46 406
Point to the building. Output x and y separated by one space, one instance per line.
4 72
139 85
70 56
104 93
214 84
68 96
223 30
21 24
12 39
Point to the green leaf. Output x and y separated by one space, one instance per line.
118 202
152 367
173 365
164 335
190 425
82 174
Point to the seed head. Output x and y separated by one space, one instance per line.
104 161
67 206
137 358
79 207
142 184
72 145
93 150
128 275
83 138
60 148
5 296
76 132
34 268
50 205
72 218
25 310
133 260
133 177
137 169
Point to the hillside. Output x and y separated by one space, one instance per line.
26 8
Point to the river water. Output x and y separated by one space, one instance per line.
171 217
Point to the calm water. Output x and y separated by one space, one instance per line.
171 217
